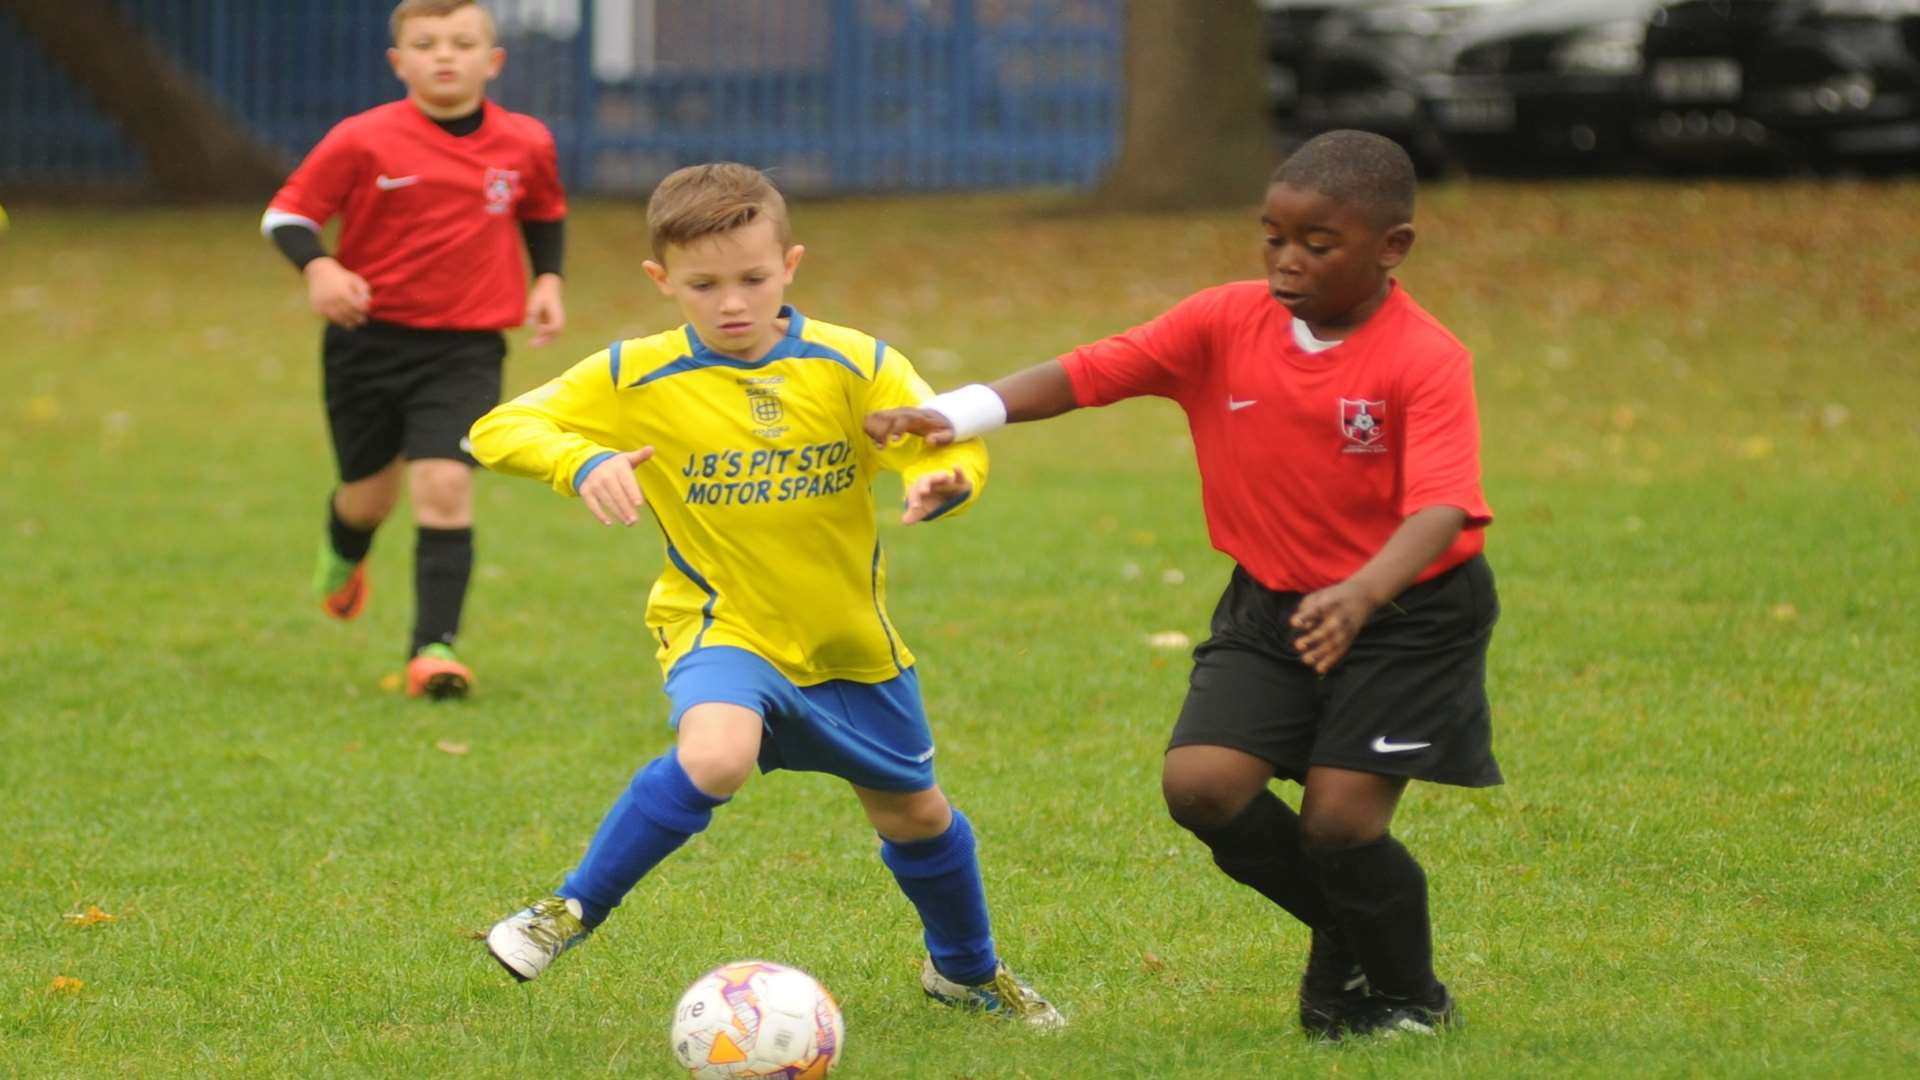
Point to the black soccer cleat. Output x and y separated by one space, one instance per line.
1333 990
1391 1017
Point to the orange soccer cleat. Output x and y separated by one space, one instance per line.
436 673
340 585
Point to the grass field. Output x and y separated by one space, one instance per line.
1699 407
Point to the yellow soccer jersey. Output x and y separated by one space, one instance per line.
761 479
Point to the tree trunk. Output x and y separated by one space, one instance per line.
193 149
1196 131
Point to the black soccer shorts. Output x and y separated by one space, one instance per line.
1408 699
398 390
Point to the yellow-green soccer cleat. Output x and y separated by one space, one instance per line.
526 942
340 585
1005 995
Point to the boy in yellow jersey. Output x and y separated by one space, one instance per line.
741 432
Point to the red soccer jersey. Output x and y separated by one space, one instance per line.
431 219
1308 460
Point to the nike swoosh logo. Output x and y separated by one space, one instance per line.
1234 405
388 183
1382 746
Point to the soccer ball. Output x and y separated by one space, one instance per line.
753 1018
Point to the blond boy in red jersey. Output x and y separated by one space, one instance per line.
438 193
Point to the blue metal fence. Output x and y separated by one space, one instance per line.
835 95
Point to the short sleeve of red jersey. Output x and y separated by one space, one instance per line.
543 199
1442 463
319 187
1160 358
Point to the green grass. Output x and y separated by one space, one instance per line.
1699 410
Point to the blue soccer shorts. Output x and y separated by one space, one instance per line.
874 735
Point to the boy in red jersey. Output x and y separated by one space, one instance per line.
437 193
1338 442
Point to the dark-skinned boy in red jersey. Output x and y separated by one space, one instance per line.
1337 436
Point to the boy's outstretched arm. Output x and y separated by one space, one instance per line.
1039 392
1331 618
571 433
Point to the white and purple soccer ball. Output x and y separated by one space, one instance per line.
757 1019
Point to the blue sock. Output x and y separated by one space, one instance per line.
650 820
942 878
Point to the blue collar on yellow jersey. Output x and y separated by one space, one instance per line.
791 347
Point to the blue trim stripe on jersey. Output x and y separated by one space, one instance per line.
885 627
613 363
790 347
948 505
587 466
706 611
879 354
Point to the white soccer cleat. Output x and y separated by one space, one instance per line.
1005 996
528 941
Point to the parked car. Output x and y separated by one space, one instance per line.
1288 31
1547 85
1785 81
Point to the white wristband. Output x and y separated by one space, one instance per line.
973 410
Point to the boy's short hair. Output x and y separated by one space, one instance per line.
1368 172
707 200
408 9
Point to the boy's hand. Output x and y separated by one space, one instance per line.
1332 618
545 313
930 493
336 293
888 425
610 490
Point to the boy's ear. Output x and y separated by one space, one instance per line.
393 61
1395 245
792 260
498 60
659 275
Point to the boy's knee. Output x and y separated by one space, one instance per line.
912 819
1199 806
442 490
718 770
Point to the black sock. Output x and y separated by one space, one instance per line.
1261 850
442 562
1379 895
348 542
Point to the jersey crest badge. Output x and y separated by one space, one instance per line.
500 186
765 405
1364 423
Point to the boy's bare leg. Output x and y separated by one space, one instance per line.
718 746
929 846
905 817
442 493
1377 891
442 566
1221 794
354 511
671 798
367 502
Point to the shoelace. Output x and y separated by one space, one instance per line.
1020 999
549 926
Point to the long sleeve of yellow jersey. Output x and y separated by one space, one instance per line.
549 432
896 385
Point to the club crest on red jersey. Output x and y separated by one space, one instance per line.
500 186
1364 423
